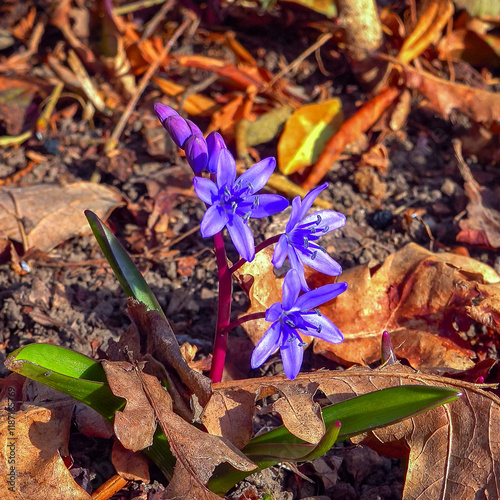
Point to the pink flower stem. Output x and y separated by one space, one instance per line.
223 311
258 248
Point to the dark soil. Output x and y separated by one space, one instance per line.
71 298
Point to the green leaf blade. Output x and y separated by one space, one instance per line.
130 278
66 371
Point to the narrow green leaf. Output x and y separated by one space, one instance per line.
290 452
130 278
69 372
373 410
357 415
84 379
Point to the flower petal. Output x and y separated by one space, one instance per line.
329 220
178 129
296 264
267 345
315 298
213 221
206 190
291 289
321 261
274 312
292 355
226 169
194 128
242 237
163 111
280 251
309 198
326 329
215 143
256 177
196 152
267 204
294 216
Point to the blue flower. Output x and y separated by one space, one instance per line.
233 201
200 153
300 234
293 316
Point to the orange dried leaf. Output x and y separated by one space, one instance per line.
443 96
35 442
306 133
482 225
416 295
349 131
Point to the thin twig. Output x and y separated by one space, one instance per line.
151 26
321 41
117 132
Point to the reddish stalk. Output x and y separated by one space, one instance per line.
244 319
258 248
223 311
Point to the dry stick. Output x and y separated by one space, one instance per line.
321 41
113 140
151 26
112 486
196 89
135 6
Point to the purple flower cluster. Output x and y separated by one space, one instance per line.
200 153
300 234
295 315
231 202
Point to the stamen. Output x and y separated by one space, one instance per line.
255 202
317 311
314 254
302 344
326 229
289 323
318 222
306 242
227 192
234 206
319 328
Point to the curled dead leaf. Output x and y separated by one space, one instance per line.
419 297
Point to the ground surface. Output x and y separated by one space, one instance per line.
70 297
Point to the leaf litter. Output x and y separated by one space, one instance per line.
435 301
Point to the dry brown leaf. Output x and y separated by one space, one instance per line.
415 294
482 225
453 450
443 96
163 341
349 131
136 424
50 214
128 464
188 443
34 441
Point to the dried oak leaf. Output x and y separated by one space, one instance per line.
479 105
482 225
197 452
417 296
453 450
50 214
30 456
